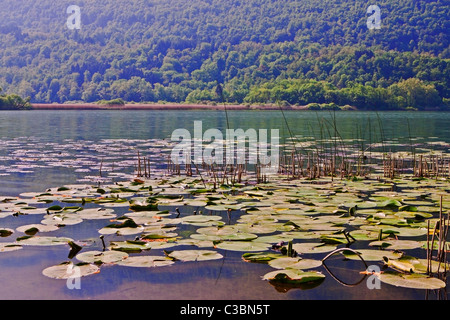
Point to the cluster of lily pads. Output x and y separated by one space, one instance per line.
93 161
288 224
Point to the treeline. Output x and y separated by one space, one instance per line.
177 51
410 94
13 102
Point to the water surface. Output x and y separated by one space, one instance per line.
87 135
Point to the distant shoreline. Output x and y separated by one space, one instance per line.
193 107
168 106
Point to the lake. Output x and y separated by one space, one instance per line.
48 149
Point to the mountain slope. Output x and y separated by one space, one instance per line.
177 50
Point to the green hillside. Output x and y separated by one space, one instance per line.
262 51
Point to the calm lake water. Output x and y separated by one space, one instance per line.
90 135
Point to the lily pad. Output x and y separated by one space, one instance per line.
262 257
372 255
91 214
243 246
195 255
68 270
256 228
145 261
32 229
200 218
9 246
62 219
294 263
6 232
412 264
43 241
294 276
396 244
99 257
309 247
414 280
130 246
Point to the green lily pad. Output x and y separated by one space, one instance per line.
398 231
309 247
6 232
145 261
262 257
121 231
218 231
304 235
372 255
68 270
243 246
91 214
98 257
277 238
396 244
256 228
413 281
195 255
200 218
43 241
9 246
160 235
197 243
32 229
412 264
389 203
62 219
294 276
126 227
130 246
294 263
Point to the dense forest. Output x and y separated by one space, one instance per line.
287 52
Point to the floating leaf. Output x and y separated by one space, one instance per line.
294 263
145 261
6 232
256 228
396 244
195 255
62 219
262 257
32 229
161 235
414 281
130 246
389 203
91 214
308 247
9 246
243 246
68 270
372 255
200 218
43 241
277 238
99 257
294 276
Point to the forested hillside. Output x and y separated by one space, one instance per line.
292 52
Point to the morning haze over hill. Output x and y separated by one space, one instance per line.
279 52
